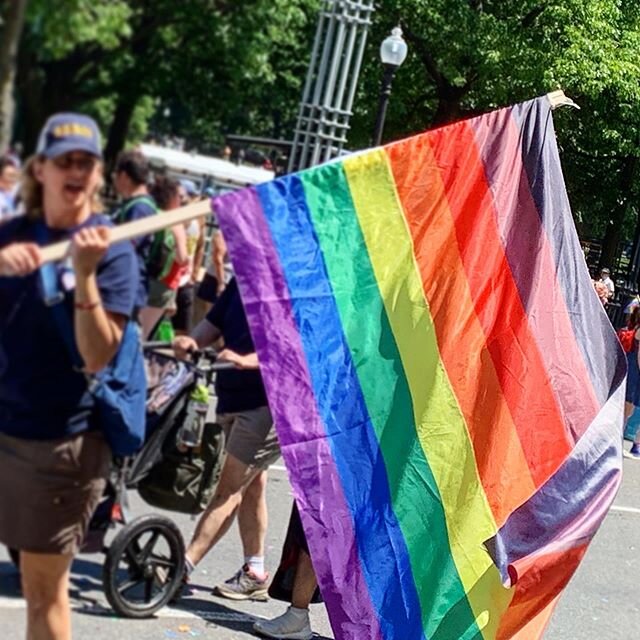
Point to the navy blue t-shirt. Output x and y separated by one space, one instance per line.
237 390
41 396
134 209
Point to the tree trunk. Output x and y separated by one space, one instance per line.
611 240
119 130
10 38
448 110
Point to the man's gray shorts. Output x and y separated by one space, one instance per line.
251 436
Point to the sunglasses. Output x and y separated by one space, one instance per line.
66 162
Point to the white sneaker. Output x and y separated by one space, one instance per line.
293 624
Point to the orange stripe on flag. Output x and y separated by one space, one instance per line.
540 582
500 460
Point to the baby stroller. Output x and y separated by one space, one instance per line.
177 469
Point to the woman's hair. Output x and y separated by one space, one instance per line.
31 191
163 190
634 317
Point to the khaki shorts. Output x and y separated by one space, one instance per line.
50 490
251 436
160 296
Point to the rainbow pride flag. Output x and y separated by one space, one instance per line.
445 384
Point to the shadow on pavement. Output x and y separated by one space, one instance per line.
9 581
86 576
216 614
86 590
86 582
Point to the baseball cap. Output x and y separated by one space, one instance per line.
189 186
605 270
64 132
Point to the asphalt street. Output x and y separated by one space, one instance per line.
601 602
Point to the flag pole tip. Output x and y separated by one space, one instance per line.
559 99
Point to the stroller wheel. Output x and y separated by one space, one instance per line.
144 566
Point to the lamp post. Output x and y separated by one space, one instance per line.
393 52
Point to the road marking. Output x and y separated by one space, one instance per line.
166 612
278 467
622 509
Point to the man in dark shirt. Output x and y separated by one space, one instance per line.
130 178
251 447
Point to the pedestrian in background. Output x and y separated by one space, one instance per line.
605 279
629 338
130 178
251 446
9 176
164 278
182 320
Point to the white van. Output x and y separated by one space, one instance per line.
205 171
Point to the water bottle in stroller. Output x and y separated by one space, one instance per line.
190 433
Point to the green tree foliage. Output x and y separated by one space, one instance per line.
467 57
201 68
213 65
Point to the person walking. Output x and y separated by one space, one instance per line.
251 446
295 582
182 320
217 273
9 175
605 279
130 179
630 338
54 460
161 300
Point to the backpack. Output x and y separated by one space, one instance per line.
162 252
185 481
627 338
120 390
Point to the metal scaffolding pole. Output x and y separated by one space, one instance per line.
330 87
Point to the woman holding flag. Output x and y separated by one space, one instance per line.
53 457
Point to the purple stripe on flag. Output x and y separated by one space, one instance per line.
590 477
316 482
590 323
497 136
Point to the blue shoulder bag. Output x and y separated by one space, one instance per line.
120 389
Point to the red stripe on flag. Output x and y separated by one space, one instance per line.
519 224
511 343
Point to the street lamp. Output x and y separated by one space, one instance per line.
393 52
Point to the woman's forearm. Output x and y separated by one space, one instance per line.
98 333
198 258
219 251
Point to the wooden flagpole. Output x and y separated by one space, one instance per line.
137 228
165 219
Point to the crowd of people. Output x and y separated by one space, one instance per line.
52 451
629 336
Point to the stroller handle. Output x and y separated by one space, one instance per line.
207 351
221 366
155 344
